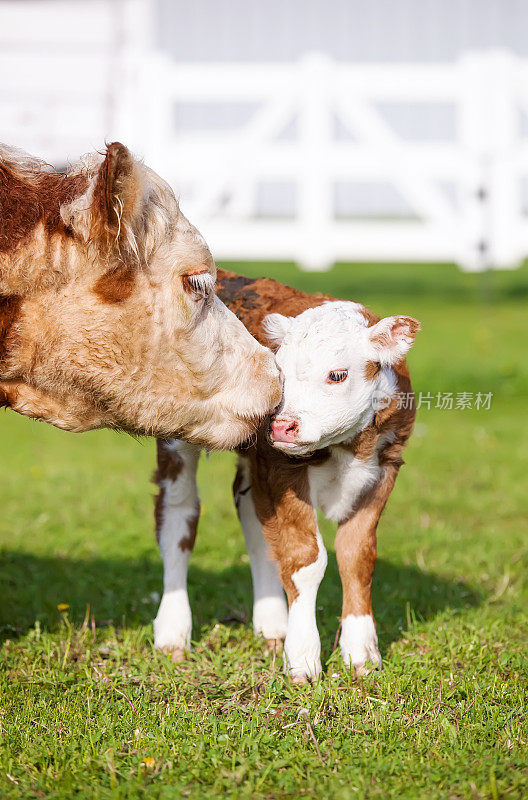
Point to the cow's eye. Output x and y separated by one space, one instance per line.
337 376
199 284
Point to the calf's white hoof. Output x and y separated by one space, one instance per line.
303 674
302 668
270 618
300 680
173 625
365 669
176 654
359 644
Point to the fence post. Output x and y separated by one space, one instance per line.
489 187
505 179
315 188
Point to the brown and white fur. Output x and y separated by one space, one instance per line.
335 442
108 315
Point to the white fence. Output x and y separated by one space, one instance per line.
315 131
464 194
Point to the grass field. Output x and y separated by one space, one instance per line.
89 710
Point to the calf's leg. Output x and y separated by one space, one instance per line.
177 512
356 557
302 647
281 496
270 613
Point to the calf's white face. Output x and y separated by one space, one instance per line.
330 394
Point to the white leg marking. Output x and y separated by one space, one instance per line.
270 611
173 624
359 642
302 648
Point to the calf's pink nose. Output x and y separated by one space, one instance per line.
284 430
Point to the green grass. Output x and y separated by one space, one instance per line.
92 711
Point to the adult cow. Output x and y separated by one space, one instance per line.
108 316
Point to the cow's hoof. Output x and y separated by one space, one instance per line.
274 646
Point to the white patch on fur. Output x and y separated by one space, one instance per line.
302 648
173 623
359 642
338 483
270 612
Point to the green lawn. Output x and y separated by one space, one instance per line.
89 710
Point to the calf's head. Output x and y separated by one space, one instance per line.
116 322
336 371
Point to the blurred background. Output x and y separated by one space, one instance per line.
309 131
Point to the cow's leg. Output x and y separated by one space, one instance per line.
356 557
177 513
270 612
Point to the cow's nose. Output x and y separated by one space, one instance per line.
284 430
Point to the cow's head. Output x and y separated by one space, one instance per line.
118 323
336 370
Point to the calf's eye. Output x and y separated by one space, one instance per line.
337 376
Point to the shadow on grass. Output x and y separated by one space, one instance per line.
126 592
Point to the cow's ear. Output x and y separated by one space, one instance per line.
276 326
114 202
391 338
119 192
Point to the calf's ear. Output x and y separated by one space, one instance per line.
391 338
276 326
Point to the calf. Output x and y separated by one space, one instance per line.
335 442
108 315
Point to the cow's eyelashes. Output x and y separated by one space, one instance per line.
337 376
200 284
